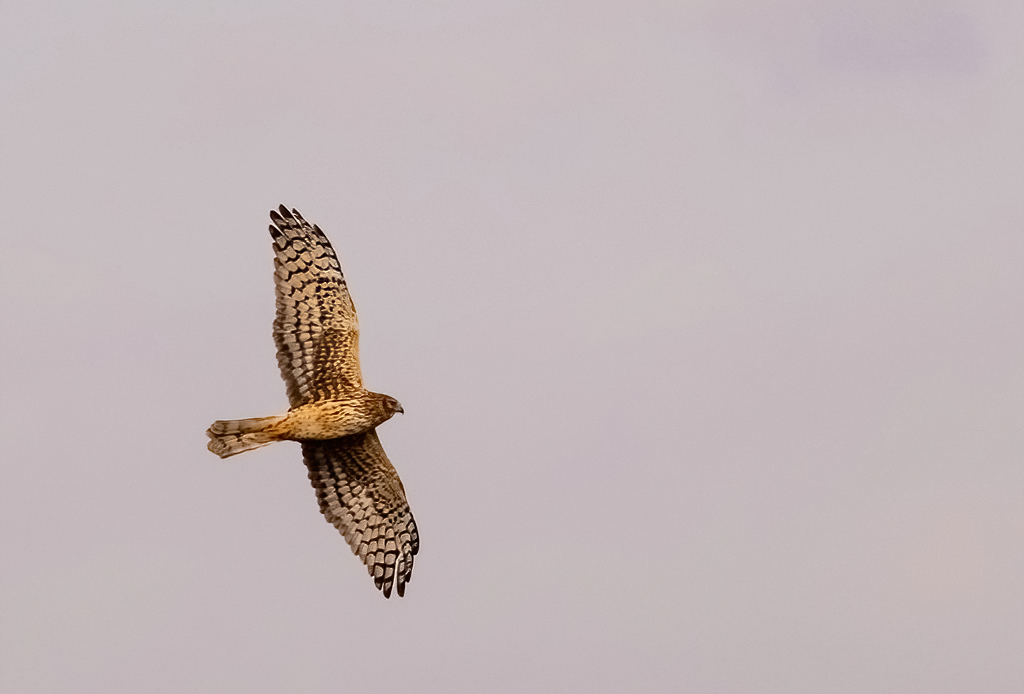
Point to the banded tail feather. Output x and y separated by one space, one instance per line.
233 436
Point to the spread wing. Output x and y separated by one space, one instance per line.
360 493
316 330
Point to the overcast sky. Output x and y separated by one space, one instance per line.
706 318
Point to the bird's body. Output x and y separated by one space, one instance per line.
332 419
332 414
314 421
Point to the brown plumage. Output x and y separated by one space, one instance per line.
334 417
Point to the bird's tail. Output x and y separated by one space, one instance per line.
234 436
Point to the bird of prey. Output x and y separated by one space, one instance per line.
331 414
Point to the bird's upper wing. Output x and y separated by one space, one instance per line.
360 493
316 330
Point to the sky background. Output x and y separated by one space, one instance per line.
706 317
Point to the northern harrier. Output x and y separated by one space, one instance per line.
332 415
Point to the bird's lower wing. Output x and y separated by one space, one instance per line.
361 494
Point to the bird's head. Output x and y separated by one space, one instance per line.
391 406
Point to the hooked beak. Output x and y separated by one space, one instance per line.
398 408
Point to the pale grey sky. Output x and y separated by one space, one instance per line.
706 317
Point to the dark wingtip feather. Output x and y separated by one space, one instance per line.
284 212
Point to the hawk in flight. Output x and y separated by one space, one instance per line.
331 414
